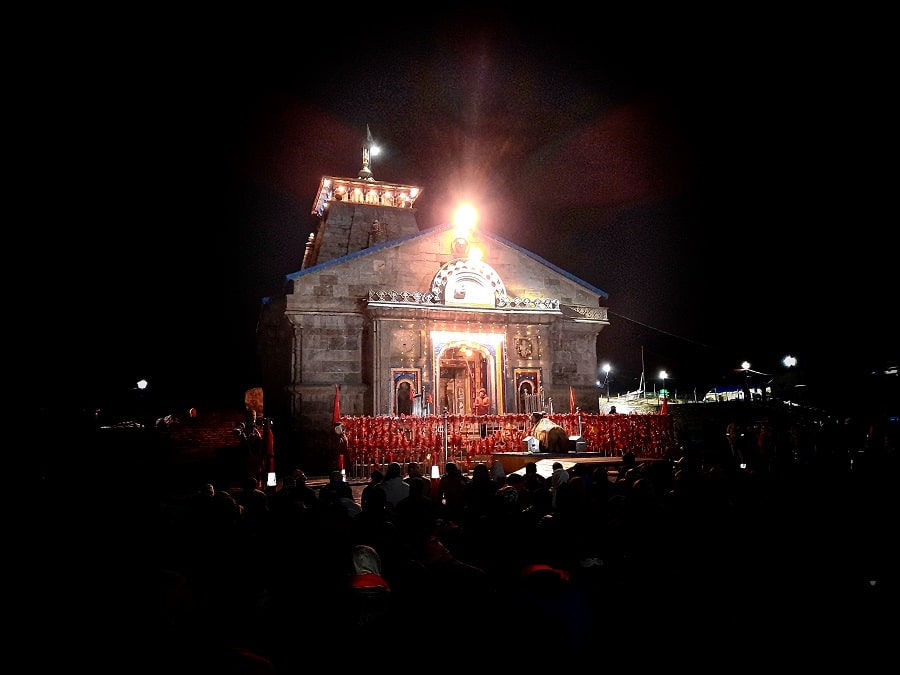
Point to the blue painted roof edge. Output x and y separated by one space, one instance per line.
364 252
409 237
543 261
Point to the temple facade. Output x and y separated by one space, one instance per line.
388 318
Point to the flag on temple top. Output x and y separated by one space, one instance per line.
571 399
336 415
369 138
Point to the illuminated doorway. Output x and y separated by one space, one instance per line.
465 362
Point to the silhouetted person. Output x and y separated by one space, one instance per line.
451 493
415 514
375 479
393 484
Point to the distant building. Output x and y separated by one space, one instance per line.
735 392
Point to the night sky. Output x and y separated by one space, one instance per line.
717 182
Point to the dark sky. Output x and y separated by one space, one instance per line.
720 183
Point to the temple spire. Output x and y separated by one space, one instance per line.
369 149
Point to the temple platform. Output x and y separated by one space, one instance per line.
515 461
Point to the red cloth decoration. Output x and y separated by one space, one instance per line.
336 415
269 439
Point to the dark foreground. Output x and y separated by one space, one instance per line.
798 565
791 560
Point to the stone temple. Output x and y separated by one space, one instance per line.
404 319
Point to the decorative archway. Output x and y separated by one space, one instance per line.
471 283
406 391
464 362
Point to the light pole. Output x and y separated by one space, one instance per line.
746 366
141 388
663 392
606 368
790 362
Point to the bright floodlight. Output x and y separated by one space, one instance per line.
789 361
142 384
606 368
464 219
663 375
745 365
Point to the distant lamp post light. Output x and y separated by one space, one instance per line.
790 362
746 368
663 391
606 369
141 386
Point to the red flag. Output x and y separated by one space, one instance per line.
269 439
665 406
336 415
571 400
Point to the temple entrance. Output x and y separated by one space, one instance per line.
464 364
463 370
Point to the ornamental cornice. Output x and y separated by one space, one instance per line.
433 299
585 312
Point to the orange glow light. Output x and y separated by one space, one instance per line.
464 220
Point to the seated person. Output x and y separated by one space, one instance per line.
551 437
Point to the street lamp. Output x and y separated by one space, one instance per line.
663 392
606 368
791 381
141 387
746 366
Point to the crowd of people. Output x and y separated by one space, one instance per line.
657 559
